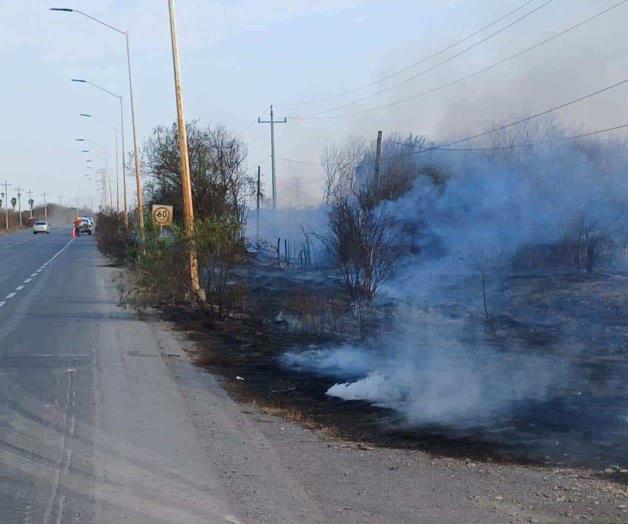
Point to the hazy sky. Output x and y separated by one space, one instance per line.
239 56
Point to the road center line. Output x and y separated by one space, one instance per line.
28 280
10 295
2 303
19 288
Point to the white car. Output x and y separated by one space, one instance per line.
41 226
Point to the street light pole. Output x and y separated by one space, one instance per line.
105 172
186 184
138 180
136 149
115 135
119 97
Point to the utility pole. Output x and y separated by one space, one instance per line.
259 168
124 198
272 123
6 203
60 202
378 153
45 206
19 203
186 183
30 202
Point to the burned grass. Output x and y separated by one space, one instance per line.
289 310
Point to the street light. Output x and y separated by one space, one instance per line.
138 181
106 170
115 135
119 97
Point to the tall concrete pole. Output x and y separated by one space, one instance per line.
186 183
30 202
136 150
19 203
6 204
124 198
272 123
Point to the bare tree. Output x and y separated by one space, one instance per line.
588 242
485 264
340 165
362 236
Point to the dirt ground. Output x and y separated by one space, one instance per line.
277 464
355 462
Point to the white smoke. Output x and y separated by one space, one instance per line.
439 364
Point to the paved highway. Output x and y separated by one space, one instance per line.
92 427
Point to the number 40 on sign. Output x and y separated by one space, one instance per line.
162 215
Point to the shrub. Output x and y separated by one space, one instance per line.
114 239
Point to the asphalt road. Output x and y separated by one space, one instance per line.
92 426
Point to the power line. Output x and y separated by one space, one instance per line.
533 144
435 66
411 66
488 148
291 161
473 74
249 126
516 122
541 113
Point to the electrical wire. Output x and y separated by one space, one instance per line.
526 119
411 66
532 144
473 74
434 66
488 148
291 161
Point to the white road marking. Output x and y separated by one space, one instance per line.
33 275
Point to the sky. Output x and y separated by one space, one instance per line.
240 56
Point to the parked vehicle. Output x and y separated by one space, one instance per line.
41 226
83 225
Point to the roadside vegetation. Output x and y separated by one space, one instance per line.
422 279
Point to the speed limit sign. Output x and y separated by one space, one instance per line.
162 215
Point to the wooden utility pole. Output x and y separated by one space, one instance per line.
186 183
272 123
378 153
259 168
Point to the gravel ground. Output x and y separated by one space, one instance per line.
277 471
